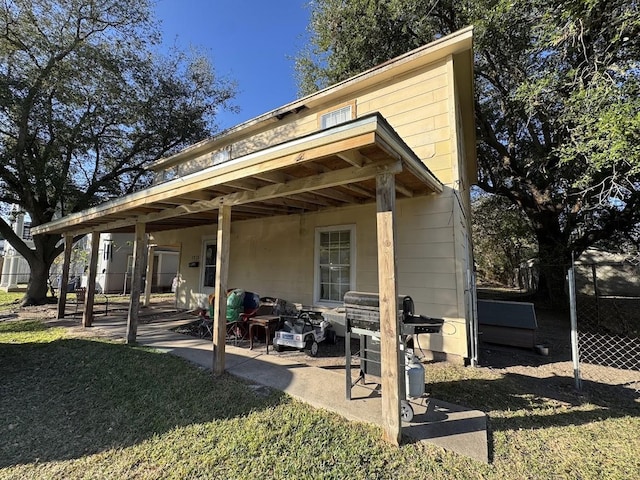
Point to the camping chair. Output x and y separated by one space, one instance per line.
205 329
238 326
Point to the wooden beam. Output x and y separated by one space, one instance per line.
329 179
174 201
316 167
149 276
315 199
390 355
359 190
291 202
64 279
194 196
263 209
273 177
353 157
244 184
87 315
337 195
222 272
136 282
307 184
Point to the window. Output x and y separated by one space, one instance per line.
335 263
209 264
26 231
338 115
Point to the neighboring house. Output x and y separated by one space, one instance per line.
614 274
114 263
306 189
15 269
115 257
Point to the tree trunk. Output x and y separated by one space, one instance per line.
555 259
37 287
40 260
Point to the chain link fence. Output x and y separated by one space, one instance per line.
606 302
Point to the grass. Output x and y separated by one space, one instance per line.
9 298
88 408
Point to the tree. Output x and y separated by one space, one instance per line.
557 102
86 102
502 237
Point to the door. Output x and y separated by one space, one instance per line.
209 267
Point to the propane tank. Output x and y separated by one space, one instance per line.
414 376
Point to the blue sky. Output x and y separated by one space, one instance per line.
250 41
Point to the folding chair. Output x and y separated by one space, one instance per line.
81 294
205 329
241 306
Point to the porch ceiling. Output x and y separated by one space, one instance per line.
326 169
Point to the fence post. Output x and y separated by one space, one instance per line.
574 328
596 292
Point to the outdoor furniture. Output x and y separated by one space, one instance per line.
81 294
236 328
266 322
239 328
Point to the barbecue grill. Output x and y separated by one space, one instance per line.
362 316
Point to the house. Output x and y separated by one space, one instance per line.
361 186
14 268
115 260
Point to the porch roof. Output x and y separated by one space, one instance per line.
325 169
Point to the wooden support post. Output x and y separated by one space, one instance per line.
149 276
392 383
64 279
136 282
222 272
87 315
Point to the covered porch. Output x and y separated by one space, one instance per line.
358 162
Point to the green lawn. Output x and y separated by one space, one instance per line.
9 298
86 408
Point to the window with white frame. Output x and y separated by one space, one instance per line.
335 263
337 116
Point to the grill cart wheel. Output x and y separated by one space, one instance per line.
406 411
311 347
332 337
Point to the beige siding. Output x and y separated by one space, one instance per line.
275 257
417 105
461 243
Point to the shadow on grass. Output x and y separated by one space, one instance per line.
519 402
73 397
536 398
